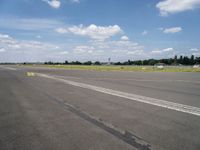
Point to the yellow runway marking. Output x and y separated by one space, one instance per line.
30 74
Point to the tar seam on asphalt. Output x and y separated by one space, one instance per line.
125 136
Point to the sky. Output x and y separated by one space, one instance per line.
95 30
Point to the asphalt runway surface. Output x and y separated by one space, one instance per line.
57 109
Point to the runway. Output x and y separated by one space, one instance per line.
74 109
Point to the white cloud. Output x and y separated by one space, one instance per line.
53 3
144 32
196 54
167 49
30 24
124 38
118 48
172 30
101 50
93 31
4 36
61 30
25 50
156 51
160 51
96 32
14 46
194 50
2 50
135 52
167 7
6 40
83 49
64 52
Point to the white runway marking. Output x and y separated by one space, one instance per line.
8 68
152 101
139 80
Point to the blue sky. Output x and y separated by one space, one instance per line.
58 30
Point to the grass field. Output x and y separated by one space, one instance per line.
125 68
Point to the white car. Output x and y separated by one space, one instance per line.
196 66
160 66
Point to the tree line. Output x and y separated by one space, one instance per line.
181 60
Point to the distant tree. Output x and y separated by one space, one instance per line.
197 60
180 61
87 63
129 62
138 62
175 59
192 60
118 63
66 62
76 63
152 62
48 63
186 60
97 63
146 62
171 61
165 61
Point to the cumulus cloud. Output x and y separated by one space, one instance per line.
4 36
28 50
8 42
61 30
93 31
167 49
96 32
156 51
64 52
2 50
53 3
135 52
116 49
167 7
30 24
172 30
25 50
83 49
162 50
120 47
194 50
124 38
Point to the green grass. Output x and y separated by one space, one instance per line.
123 68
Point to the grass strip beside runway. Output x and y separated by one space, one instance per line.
124 68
